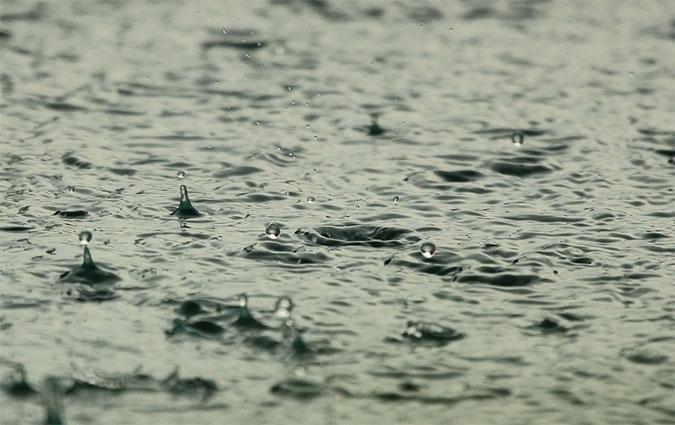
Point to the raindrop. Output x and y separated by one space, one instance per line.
307 126
314 170
517 138
224 31
307 104
242 301
289 88
180 174
396 198
427 250
316 137
85 237
283 308
273 231
311 199
292 102
71 189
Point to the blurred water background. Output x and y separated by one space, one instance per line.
439 211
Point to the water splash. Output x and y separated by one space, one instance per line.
88 273
517 138
428 250
85 237
273 230
185 208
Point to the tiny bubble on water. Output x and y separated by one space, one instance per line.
314 170
180 174
273 231
428 250
311 199
85 237
517 138
307 126
316 137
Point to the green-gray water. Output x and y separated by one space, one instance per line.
325 145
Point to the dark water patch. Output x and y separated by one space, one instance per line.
374 129
16 384
34 14
548 326
428 334
543 218
519 167
644 357
71 213
582 260
489 394
496 276
16 229
354 234
236 172
65 107
73 161
651 236
200 328
284 254
297 388
460 176
442 264
240 44
123 171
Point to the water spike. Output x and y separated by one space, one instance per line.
87 261
185 208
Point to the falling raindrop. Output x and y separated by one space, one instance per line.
85 237
180 174
517 138
428 250
311 199
396 198
273 231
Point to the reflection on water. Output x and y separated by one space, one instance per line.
403 212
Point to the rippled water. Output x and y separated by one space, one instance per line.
530 142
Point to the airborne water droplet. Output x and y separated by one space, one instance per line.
517 138
85 237
428 250
180 174
273 231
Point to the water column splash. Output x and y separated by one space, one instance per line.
428 250
246 319
88 273
185 208
53 402
517 138
273 230
291 336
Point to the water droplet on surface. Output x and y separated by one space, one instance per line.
283 308
314 170
85 237
428 250
517 138
396 198
242 301
273 231
180 174
71 189
311 199
316 137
